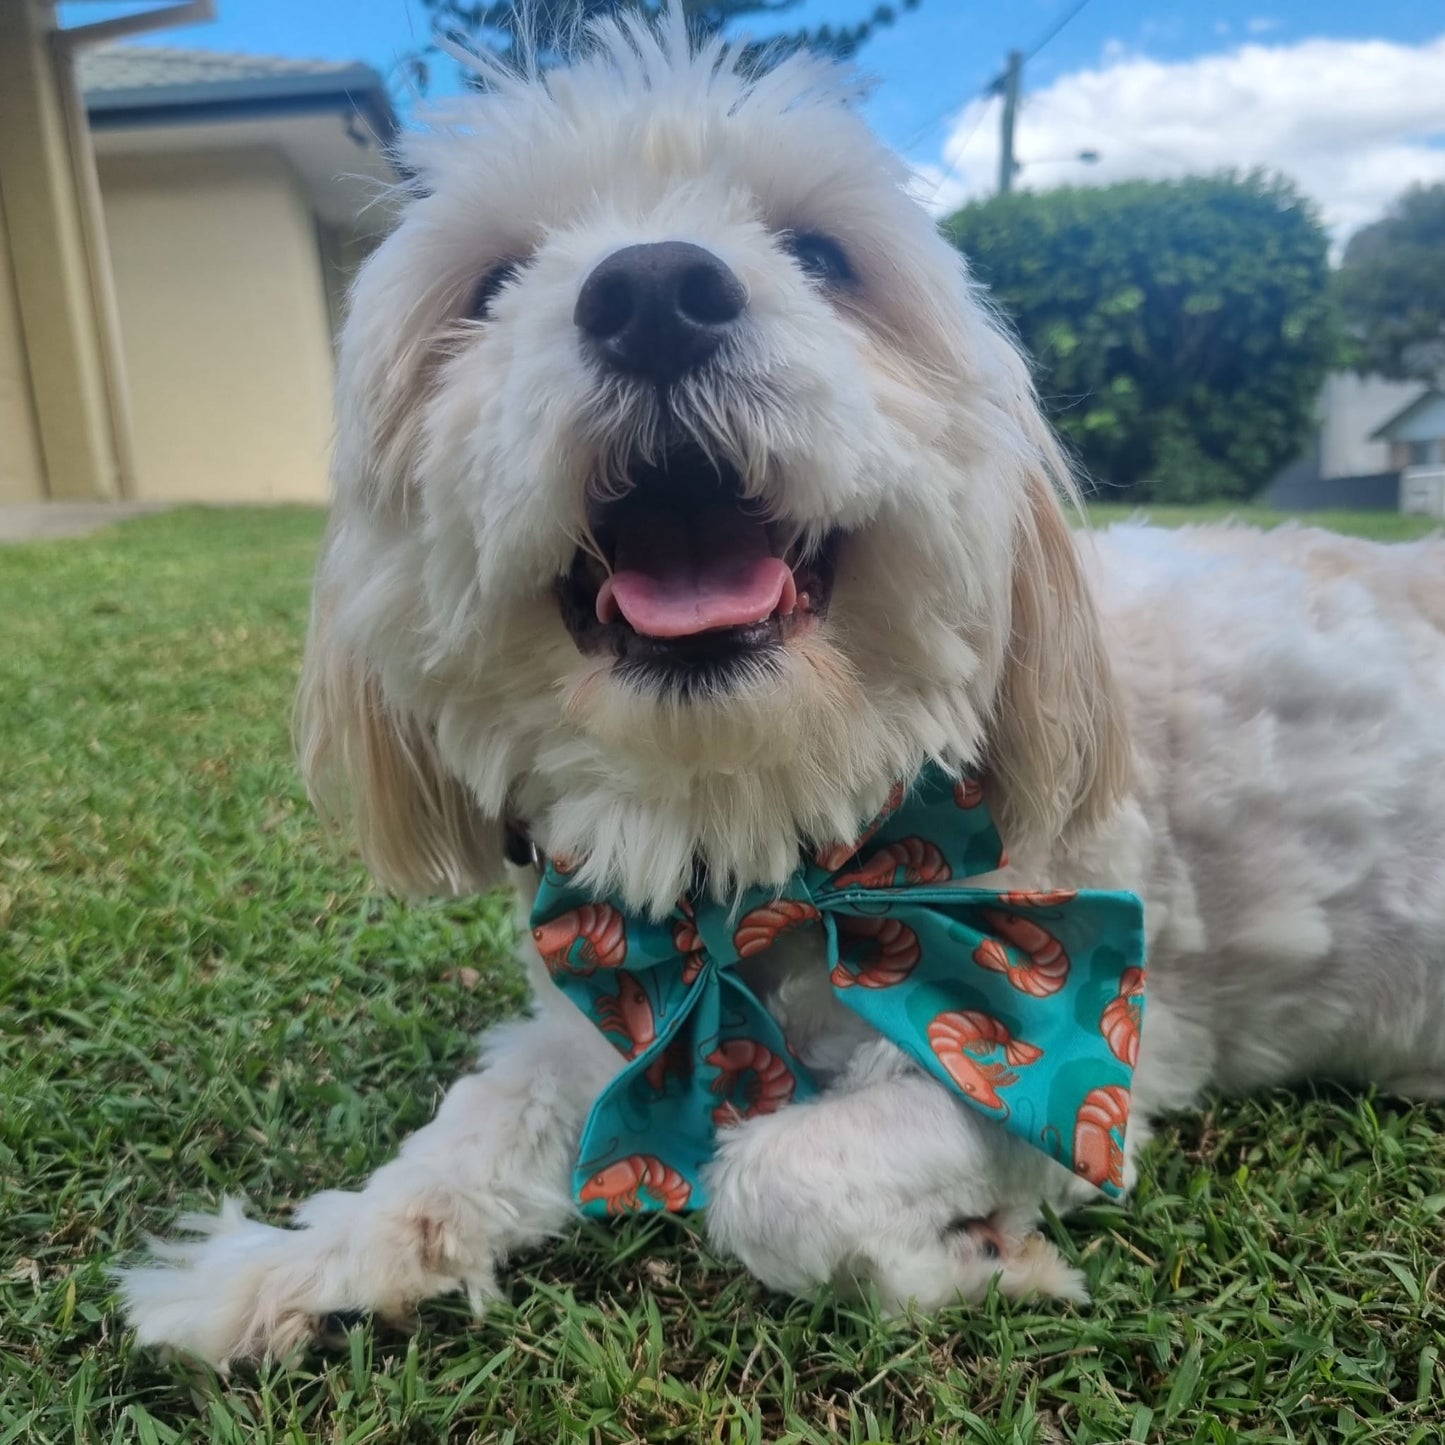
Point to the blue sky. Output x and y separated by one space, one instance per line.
1153 88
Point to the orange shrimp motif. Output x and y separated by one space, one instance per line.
685 937
964 1040
1099 1136
918 859
688 942
623 1186
890 961
1047 965
1046 898
629 1013
601 929
1122 1017
968 792
760 928
835 855
770 1087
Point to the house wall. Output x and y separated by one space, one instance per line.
22 469
1422 452
1352 407
57 347
224 325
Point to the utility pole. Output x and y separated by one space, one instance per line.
1007 85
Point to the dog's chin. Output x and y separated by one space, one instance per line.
787 707
690 591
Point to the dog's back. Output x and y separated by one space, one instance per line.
1287 700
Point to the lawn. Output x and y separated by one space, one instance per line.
1382 526
198 993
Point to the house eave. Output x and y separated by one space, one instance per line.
1385 431
358 90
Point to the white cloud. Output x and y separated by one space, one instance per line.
1352 122
1261 24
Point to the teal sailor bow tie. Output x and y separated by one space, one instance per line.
1026 1005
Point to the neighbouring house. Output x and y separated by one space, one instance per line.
178 228
1373 439
1416 438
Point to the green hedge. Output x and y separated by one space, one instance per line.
1181 328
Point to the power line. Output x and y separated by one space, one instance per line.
952 108
963 145
992 88
1008 84
974 128
1053 30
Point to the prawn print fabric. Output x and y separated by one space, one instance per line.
1026 1005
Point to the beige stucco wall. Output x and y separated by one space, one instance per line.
224 325
22 470
53 274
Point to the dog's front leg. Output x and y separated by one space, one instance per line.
490 1174
888 1184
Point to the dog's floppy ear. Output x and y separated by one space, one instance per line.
418 828
1059 753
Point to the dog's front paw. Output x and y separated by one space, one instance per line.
222 1296
912 1265
242 1291
1007 1247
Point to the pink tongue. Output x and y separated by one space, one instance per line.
676 576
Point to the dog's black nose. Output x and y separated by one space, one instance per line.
659 310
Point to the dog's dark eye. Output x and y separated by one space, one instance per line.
488 288
821 259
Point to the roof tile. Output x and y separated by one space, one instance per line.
162 67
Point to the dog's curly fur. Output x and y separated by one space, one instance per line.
1243 728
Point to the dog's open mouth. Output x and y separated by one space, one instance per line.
694 580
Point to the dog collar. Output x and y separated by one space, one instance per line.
1027 1006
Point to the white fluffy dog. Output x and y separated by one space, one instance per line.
688 497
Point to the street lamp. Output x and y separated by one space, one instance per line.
1088 157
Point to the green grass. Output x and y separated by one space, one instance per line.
198 993
1381 526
